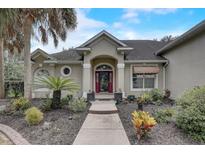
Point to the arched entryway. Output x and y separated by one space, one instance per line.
104 78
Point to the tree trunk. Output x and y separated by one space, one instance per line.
2 89
27 58
56 99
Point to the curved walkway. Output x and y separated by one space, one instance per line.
14 136
102 126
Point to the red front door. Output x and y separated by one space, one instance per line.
104 81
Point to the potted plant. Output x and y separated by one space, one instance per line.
144 98
91 96
118 96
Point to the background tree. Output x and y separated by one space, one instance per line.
8 37
49 22
168 38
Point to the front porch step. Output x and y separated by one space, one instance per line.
103 107
104 97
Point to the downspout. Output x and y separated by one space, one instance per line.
164 75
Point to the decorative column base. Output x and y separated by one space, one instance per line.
84 94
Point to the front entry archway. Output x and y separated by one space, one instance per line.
104 79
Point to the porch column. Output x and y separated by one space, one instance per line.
86 79
120 81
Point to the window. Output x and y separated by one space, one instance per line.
65 70
42 72
143 81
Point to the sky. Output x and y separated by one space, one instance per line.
125 24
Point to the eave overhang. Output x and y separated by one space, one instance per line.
146 61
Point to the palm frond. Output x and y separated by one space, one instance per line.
56 83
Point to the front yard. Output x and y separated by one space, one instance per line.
58 126
162 133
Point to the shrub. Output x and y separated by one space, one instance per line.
144 98
57 84
191 115
33 116
156 95
142 122
66 100
78 105
164 115
21 104
46 106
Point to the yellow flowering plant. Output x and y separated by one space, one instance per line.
142 122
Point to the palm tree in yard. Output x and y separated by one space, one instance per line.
56 84
9 38
49 22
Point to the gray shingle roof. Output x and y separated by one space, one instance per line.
143 49
70 54
196 30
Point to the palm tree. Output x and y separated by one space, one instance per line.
7 35
57 84
53 22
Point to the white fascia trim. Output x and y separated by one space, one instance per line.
100 34
146 61
41 52
22 62
83 49
62 62
124 48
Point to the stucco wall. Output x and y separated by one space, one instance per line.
128 79
186 67
103 46
76 75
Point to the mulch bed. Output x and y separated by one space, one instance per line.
162 133
58 127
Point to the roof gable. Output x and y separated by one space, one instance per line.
103 33
38 52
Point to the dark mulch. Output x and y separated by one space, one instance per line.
163 133
62 129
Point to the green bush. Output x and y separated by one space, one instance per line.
21 104
156 94
66 100
191 114
46 105
164 115
78 105
33 116
144 98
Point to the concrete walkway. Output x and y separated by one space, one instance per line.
102 129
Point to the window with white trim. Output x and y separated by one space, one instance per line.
143 81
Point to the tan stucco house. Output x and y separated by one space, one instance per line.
104 64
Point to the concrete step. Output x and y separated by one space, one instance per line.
103 107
